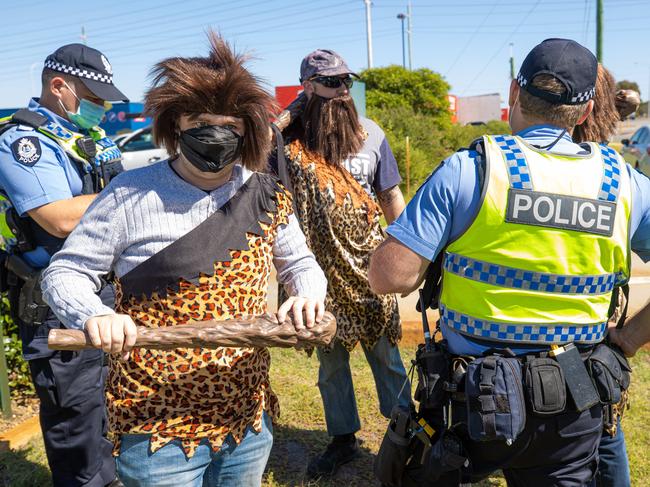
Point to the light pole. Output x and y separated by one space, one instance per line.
402 17
647 96
368 31
32 67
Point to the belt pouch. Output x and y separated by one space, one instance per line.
495 400
610 373
446 455
433 368
395 448
545 386
581 389
32 310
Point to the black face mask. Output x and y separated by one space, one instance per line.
210 148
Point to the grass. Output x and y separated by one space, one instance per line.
300 433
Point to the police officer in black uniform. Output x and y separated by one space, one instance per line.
53 161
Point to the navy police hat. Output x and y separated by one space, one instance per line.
570 63
90 66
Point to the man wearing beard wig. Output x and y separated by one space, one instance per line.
344 175
190 238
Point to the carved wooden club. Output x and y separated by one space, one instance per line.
250 331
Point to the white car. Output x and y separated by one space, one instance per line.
636 150
138 149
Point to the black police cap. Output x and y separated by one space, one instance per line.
570 63
90 66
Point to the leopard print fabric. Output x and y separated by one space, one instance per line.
341 223
196 394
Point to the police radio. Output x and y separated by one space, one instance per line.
87 147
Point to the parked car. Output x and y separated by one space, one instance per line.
138 149
636 150
116 138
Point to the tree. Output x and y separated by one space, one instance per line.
422 91
628 85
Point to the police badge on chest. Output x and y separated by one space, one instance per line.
27 150
561 211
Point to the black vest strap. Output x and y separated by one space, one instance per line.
29 118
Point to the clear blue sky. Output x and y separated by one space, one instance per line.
465 40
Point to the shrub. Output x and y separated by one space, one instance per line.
18 369
430 143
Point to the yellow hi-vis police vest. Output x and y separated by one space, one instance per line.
107 152
549 243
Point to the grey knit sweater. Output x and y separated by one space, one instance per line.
141 212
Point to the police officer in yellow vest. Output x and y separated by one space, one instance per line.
53 160
533 235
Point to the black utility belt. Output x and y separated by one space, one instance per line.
500 390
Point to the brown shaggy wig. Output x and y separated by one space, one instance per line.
330 127
217 84
600 125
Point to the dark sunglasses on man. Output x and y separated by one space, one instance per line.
334 81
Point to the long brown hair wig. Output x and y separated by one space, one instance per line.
600 125
217 84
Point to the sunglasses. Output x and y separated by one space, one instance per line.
334 81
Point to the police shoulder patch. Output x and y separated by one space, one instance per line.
27 150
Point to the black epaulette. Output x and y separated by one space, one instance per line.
29 118
24 117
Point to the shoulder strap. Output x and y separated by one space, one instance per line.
431 287
23 117
29 118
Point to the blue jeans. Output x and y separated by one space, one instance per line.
337 391
232 466
613 466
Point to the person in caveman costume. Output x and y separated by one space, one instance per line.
191 238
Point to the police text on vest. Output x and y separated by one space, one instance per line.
561 211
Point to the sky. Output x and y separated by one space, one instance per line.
467 41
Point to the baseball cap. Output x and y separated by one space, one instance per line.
323 62
570 63
90 66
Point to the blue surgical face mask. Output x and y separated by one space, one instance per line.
88 114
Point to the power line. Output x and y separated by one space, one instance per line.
165 32
587 19
496 53
469 41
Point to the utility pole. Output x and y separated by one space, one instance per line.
599 30
369 32
408 30
83 35
512 63
402 17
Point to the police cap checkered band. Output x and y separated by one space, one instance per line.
80 73
572 64
90 66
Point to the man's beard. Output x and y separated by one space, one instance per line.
332 128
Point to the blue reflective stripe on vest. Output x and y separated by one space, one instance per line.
522 333
108 155
518 172
512 277
611 176
56 130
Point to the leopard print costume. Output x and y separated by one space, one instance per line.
196 394
341 223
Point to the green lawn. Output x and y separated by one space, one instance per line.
300 433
